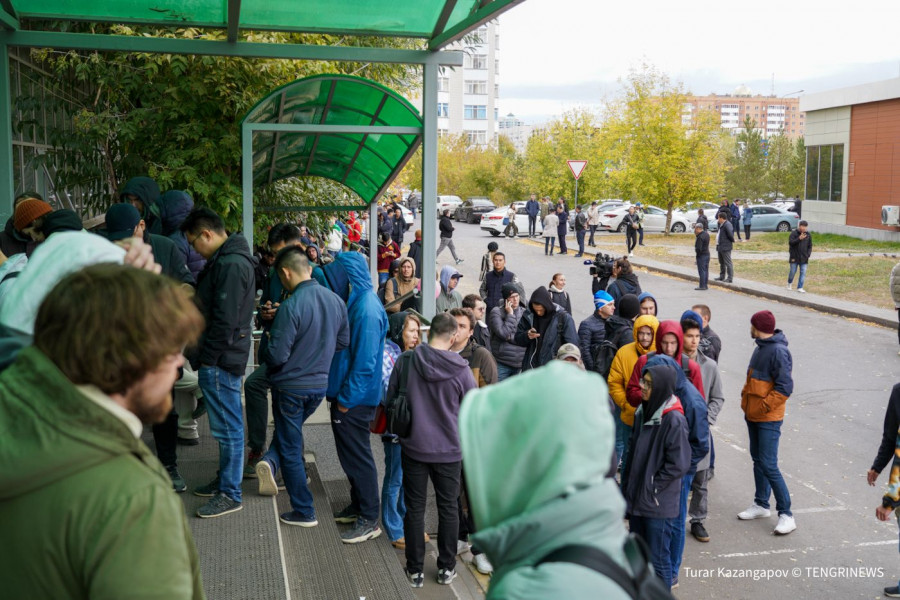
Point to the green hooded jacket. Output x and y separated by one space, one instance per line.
86 510
536 449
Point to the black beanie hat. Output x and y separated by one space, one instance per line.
508 289
628 306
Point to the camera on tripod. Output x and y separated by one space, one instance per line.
601 270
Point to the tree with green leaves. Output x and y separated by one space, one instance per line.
779 162
658 155
748 165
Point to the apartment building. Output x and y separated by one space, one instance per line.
772 114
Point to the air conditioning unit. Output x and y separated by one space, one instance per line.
890 215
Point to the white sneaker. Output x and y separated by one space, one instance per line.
785 525
801 290
631 254
754 512
790 286
462 547
483 565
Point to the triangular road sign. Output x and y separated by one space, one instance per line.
577 167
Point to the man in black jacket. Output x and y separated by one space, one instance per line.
492 285
631 224
580 229
701 249
888 436
446 227
724 244
544 327
226 292
800 247
398 228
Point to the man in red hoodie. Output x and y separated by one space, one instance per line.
669 341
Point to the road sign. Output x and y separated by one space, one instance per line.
577 167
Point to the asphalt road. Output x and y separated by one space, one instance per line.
843 373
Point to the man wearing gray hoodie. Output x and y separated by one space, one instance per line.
449 297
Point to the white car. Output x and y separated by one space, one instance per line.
654 220
451 202
492 222
710 210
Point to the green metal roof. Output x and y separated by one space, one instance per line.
438 21
363 159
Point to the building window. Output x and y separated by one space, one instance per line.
475 61
443 109
443 84
496 90
496 114
496 66
443 133
476 87
476 137
475 111
824 172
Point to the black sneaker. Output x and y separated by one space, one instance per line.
348 515
890 592
189 441
178 483
699 532
220 505
209 490
295 518
363 531
446 576
416 580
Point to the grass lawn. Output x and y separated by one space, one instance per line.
862 279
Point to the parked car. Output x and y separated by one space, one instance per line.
601 206
451 202
654 219
771 218
492 222
473 209
787 205
710 210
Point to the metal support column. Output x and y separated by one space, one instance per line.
247 183
429 188
7 188
373 242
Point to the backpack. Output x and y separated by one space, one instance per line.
685 363
396 408
605 352
643 585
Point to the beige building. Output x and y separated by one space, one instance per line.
772 114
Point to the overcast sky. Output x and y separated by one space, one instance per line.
560 54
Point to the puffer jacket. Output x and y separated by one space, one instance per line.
623 366
174 207
503 328
591 333
769 380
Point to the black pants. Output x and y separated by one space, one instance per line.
532 225
561 234
466 520
256 398
445 480
630 239
746 231
703 269
165 437
352 441
593 229
726 268
736 224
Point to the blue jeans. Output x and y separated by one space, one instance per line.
222 391
549 245
794 272
504 371
676 545
623 438
703 269
393 506
579 236
657 533
764 452
290 409
382 277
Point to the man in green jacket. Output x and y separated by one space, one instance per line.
86 510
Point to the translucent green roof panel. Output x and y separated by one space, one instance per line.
364 162
439 21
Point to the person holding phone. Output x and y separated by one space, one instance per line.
800 248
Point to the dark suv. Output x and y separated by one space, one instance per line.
473 209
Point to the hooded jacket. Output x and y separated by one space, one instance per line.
355 376
483 365
13 241
557 329
174 207
447 298
503 327
226 291
561 297
659 455
415 253
626 284
309 328
403 286
696 377
623 366
644 295
769 380
147 190
715 398
87 511
799 250
61 220
166 253
438 380
535 490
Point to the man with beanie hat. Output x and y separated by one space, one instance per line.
592 331
12 239
503 322
769 384
27 213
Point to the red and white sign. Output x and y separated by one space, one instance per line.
577 167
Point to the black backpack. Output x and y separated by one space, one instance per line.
396 408
685 363
605 352
643 585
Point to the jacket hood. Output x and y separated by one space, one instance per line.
447 272
236 244
645 321
412 277
777 338
395 327
644 295
14 233
61 220
348 275
673 327
509 474
174 207
438 365
664 378
542 297
144 188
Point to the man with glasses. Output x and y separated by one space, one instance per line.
226 288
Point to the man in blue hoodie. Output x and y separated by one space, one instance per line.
309 327
354 390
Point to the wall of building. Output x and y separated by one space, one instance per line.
826 127
874 163
771 113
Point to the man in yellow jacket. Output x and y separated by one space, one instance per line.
621 369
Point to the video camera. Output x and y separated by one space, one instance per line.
601 270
